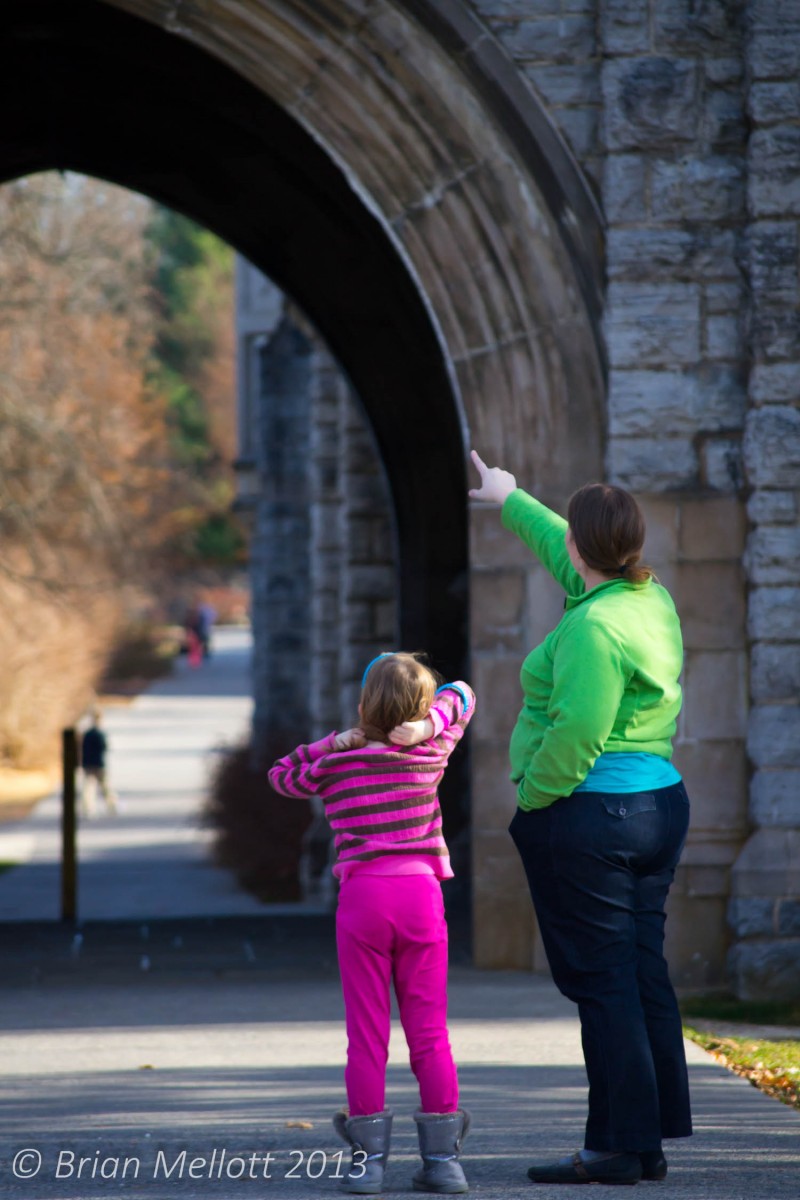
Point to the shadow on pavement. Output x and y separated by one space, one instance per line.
162 1120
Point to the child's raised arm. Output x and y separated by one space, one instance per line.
294 774
453 705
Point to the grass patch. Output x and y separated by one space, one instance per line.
773 1067
7 866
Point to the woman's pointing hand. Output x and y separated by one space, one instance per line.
496 483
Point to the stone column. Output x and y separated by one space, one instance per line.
368 609
329 392
323 556
280 546
765 903
674 197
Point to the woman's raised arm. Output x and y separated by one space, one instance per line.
541 529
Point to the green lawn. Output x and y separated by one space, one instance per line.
771 1065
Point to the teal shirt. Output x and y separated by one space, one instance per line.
623 772
603 682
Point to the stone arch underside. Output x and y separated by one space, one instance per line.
115 97
362 173
346 149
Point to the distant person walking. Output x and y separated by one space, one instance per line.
378 784
602 817
193 635
207 616
94 753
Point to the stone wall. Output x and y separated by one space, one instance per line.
682 117
354 614
674 139
555 45
765 905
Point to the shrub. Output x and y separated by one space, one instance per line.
52 649
259 834
141 653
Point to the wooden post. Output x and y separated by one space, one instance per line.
69 857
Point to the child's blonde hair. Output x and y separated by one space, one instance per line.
396 688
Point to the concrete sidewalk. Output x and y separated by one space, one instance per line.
153 858
195 1050
188 1078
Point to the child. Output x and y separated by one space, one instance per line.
378 784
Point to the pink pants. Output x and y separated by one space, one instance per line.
392 927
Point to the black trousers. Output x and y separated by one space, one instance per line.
599 868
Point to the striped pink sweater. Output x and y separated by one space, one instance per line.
381 802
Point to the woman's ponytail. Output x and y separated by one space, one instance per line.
609 529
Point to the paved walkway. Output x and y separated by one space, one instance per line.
173 1058
151 860
190 1078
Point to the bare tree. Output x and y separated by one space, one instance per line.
83 458
84 472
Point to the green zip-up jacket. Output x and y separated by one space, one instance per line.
604 680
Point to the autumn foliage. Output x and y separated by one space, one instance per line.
81 437
52 650
95 501
771 1066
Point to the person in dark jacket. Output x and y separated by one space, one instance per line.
94 751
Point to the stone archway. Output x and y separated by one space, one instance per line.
441 241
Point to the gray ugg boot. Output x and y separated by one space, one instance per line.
440 1138
370 1137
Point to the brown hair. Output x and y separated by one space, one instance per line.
397 688
608 527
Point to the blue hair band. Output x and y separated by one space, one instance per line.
377 658
454 688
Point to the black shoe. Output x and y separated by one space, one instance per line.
617 1168
654 1165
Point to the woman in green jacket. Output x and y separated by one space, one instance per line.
602 817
